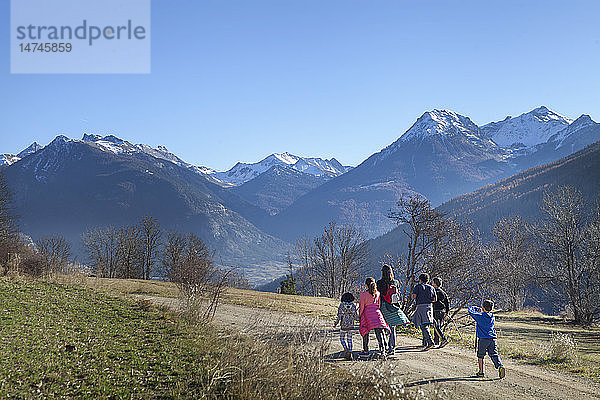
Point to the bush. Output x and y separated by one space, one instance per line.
34 265
561 348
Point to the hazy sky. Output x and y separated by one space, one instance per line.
237 80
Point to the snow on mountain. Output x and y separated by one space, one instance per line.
583 122
7 159
32 148
439 124
526 130
116 145
243 172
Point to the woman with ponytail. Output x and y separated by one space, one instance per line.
370 317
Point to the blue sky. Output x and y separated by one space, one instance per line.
237 80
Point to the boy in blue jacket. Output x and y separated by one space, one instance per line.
487 338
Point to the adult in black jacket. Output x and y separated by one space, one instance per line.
440 310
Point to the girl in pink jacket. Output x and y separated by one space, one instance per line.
370 317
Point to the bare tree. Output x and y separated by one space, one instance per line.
442 247
458 258
425 228
306 277
102 250
512 258
194 268
173 254
150 235
9 237
563 238
56 251
129 253
199 281
591 270
332 263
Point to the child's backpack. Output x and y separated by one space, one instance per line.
391 295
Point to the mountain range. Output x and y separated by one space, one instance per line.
71 185
241 173
442 155
253 212
518 195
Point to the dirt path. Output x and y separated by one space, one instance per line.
449 369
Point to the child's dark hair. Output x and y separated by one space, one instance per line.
347 297
387 273
488 305
437 281
424 277
370 282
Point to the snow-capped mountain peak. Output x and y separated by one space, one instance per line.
32 148
527 129
91 137
243 172
7 159
116 145
572 131
583 121
439 122
287 158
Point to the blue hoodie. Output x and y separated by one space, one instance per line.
485 323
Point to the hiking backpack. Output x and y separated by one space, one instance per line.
391 295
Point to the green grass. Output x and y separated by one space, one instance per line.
73 341
61 341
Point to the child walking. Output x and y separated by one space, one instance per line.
486 336
371 317
440 309
346 315
424 295
390 307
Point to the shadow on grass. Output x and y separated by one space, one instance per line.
450 379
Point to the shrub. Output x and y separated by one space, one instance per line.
561 348
33 264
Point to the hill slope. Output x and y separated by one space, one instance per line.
277 188
519 194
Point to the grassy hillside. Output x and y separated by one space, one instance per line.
74 342
86 340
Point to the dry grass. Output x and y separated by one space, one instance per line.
275 359
523 335
534 337
321 307
122 348
120 286
562 348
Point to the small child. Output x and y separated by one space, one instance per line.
487 338
346 315
371 317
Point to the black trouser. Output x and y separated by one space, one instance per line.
380 339
438 317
